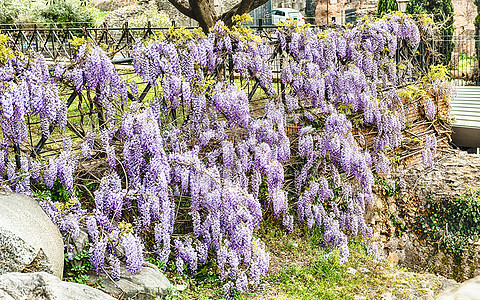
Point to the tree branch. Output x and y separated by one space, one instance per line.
241 8
183 7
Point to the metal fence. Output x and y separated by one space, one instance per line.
459 53
55 42
464 63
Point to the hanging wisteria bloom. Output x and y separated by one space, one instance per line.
189 175
338 72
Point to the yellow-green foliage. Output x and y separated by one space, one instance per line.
438 79
242 19
181 35
437 72
242 32
425 20
65 207
125 228
412 92
77 42
5 52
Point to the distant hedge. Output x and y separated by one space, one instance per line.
66 11
31 11
384 6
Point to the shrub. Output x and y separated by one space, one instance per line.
385 6
451 223
9 10
66 11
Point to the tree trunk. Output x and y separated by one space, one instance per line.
204 12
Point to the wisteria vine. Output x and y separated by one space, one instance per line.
228 165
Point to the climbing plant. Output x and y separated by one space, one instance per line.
194 187
443 16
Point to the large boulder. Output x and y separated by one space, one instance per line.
29 241
470 290
45 286
147 284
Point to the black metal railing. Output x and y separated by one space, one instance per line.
459 53
55 41
464 62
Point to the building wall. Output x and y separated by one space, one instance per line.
295 4
336 9
465 13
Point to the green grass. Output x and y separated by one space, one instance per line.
301 269
466 62
98 15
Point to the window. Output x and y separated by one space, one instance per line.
295 15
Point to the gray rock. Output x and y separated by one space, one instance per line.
147 284
387 296
470 290
79 246
109 5
45 286
29 241
117 18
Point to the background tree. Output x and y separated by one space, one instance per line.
477 24
203 11
384 6
443 15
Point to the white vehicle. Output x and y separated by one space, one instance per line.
287 14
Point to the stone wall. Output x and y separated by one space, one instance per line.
454 173
119 16
174 14
336 9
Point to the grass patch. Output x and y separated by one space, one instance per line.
300 268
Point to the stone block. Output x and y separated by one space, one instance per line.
29 241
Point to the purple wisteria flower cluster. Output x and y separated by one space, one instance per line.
91 69
26 89
224 166
222 182
429 150
337 73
